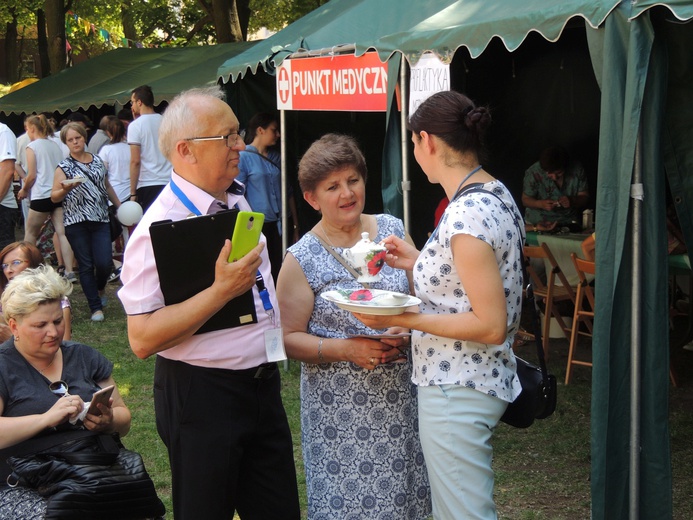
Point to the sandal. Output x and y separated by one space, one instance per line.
61 270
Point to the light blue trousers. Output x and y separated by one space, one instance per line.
456 424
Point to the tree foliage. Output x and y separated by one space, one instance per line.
138 23
15 18
277 14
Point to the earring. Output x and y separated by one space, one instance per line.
16 339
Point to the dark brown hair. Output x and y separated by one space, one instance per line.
260 120
115 129
331 153
453 118
553 158
144 94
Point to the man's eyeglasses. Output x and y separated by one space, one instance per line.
13 263
58 388
231 139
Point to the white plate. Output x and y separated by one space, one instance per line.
76 180
380 302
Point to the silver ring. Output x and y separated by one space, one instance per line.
372 361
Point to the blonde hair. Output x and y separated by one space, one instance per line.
41 124
77 127
32 288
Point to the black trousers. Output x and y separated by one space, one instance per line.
148 194
274 247
228 441
8 221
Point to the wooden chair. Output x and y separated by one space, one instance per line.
581 315
550 292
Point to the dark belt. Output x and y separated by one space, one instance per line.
264 371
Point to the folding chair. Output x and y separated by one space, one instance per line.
550 292
586 315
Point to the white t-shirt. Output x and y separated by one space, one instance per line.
63 147
22 142
117 159
47 155
155 170
8 152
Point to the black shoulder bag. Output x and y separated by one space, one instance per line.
537 400
83 474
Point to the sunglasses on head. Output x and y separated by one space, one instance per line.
58 388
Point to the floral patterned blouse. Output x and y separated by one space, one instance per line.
438 360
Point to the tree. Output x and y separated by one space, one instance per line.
277 14
55 32
11 65
15 15
147 23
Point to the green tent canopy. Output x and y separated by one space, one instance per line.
414 27
640 51
681 9
109 78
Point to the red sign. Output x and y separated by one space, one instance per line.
336 83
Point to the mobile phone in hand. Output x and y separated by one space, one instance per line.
246 234
100 396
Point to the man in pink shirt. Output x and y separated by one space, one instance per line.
217 399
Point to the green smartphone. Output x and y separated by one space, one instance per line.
246 233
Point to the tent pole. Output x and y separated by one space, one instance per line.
636 311
406 184
285 193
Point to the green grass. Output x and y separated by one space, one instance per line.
542 473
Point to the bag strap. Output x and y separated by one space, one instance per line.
44 442
339 257
529 291
265 158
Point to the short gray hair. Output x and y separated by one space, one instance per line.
32 288
180 120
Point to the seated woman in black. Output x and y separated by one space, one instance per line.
45 382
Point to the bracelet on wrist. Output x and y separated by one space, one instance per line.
321 359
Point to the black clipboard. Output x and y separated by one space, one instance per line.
185 252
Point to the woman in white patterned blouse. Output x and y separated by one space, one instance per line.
469 278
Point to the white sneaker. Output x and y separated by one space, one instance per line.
98 316
115 275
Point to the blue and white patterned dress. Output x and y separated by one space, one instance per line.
360 439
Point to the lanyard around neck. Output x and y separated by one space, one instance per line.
458 191
184 198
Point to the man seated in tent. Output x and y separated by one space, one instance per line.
554 190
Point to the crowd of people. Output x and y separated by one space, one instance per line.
397 411
71 180
46 378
